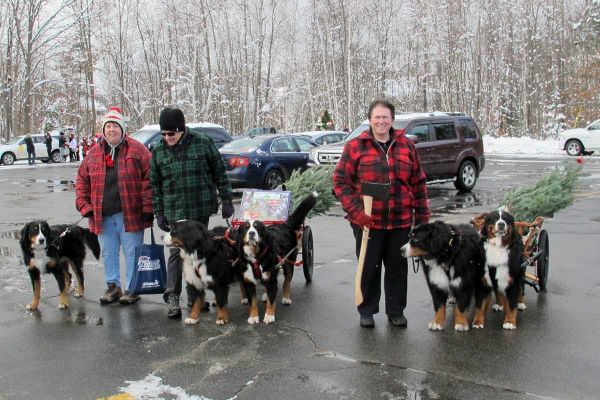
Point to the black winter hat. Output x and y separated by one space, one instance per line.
171 119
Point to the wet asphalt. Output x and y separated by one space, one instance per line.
315 349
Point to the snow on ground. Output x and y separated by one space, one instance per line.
521 145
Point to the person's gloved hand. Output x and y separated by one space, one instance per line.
147 217
161 220
365 220
88 214
227 210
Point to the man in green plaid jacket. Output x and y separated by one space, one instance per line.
185 173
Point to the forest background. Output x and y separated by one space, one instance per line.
519 67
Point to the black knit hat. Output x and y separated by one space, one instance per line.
171 119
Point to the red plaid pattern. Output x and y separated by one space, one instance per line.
363 160
134 185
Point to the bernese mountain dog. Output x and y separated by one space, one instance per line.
52 249
454 260
503 268
264 250
209 262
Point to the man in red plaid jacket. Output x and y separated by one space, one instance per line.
113 191
382 155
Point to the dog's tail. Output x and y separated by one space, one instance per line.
299 215
89 238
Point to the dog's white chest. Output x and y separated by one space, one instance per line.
437 276
191 262
40 259
495 255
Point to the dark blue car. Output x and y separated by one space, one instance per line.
266 161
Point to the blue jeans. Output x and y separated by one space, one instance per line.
31 158
113 236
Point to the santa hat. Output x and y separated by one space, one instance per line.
114 115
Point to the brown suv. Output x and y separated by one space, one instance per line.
449 145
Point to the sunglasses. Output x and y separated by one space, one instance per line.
169 133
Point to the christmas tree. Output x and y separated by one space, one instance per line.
324 119
314 179
551 193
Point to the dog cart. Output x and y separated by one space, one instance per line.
273 207
536 250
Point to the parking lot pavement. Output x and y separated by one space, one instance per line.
315 349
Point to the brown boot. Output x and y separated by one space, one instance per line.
112 294
129 298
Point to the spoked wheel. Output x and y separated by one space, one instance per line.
307 253
543 261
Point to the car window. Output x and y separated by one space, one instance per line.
444 131
595 126
282 145
38 139
215 133
304 144
320 140
243 145
420 131
467 127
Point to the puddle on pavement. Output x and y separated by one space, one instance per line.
453 200
83 319
54 186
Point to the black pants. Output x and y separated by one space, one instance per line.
175 269
383 249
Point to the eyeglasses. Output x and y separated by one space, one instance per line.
169 133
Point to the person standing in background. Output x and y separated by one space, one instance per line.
30 150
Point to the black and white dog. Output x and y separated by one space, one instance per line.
503 271
453 260
264 250
209 262
53 249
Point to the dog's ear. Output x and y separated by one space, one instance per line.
478 221
439 237
24 237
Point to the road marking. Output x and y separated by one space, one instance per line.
152 388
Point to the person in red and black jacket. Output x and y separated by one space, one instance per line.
113 191
382 154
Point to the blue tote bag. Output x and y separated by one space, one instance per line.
150 272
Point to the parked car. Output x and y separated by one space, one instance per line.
323 137
265 161
16 149
581 140
149 135
449 146
261 130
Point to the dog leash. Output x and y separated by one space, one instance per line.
416 261
75 224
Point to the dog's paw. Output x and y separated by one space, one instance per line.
191 321
221 321
461 327
254 320
451 300
477 325
77 294
244 301
433 326
31 307
264 298
521 306
63 306
286 301
497 308
269 319
509 326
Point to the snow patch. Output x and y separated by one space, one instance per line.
152 388
521 145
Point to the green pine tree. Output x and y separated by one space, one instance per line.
318 179
553 192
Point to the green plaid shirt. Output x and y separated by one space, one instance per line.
185 183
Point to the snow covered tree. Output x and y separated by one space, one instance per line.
555 117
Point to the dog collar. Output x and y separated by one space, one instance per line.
256 264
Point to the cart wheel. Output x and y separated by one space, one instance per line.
307 253
543 261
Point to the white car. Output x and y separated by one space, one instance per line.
580 140
16 149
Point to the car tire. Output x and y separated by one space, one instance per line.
273 179
574 147
56 157
466 176
8 158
